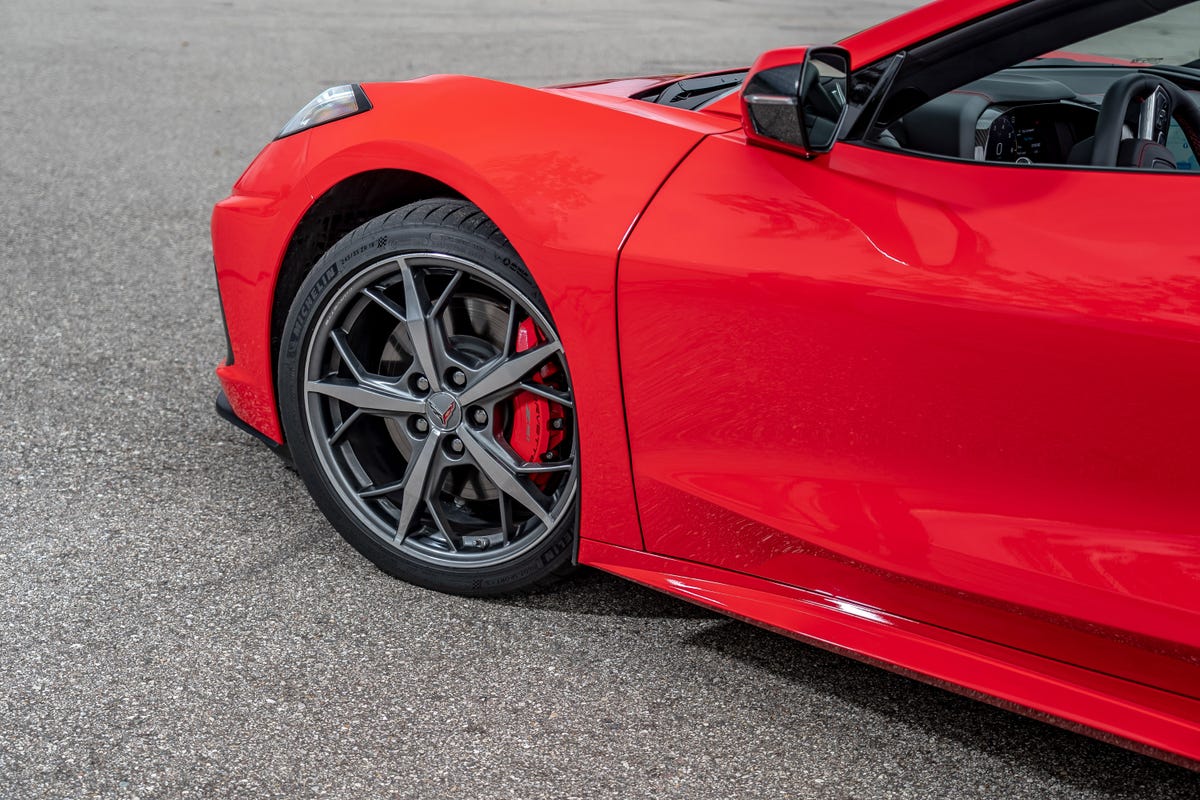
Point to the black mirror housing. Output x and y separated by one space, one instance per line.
795 99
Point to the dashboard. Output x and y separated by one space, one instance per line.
1023 115
1038 133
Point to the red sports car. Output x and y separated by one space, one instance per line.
892 346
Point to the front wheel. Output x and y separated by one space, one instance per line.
426 400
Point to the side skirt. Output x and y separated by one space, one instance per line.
1141 718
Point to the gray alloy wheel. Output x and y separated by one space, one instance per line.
427 403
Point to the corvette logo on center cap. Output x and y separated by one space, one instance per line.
443 410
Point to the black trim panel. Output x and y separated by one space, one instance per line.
225 412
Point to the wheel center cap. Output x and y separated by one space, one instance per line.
443 411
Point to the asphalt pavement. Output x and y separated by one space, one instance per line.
178 621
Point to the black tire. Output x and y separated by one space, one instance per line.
398 408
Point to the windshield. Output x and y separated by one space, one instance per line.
1171 38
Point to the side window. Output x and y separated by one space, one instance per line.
1125 97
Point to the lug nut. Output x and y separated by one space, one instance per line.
423 383
422 424
458 377
548 456
456 445
556 424
480 416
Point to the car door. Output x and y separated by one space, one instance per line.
965 393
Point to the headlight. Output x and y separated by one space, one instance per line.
336 103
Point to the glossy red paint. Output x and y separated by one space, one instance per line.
935 415
250 232
1065 525
565 191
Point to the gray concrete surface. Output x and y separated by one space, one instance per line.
177 619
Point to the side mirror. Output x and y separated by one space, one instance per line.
794 99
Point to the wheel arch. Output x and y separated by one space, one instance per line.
340 209
555 172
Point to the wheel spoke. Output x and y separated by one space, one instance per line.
510 332
349 357
427 352
420 469
507 480
505 517
516 465
447 293
509 371
418 322
527 468
381 491
435 511
370 399
542 390
369 393
519 467
377 296
341 429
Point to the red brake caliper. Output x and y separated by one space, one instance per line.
535 432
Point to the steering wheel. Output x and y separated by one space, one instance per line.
1162 101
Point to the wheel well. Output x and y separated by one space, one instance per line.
337 212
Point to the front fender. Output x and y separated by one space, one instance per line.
563 175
